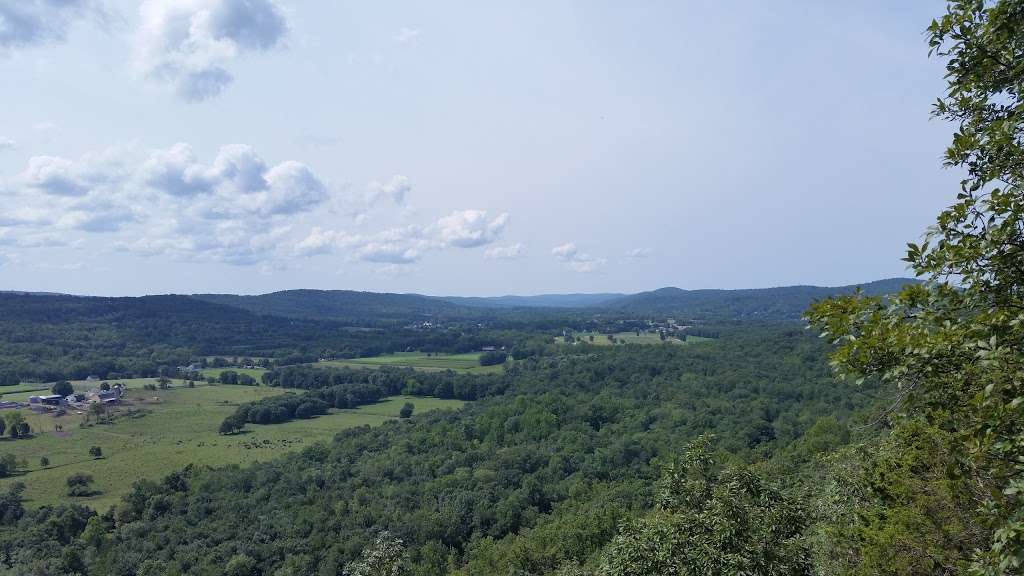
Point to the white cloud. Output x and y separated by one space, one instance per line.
577 261
407 35
25 23
230 210
470 228
637 254
407 244
65 177
510 252
191 43
394 190
7 144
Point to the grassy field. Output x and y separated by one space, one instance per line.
632 338
215 372
171 429
469 362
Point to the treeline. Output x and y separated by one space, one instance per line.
350 387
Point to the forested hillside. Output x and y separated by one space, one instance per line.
51 337
535 479
761 304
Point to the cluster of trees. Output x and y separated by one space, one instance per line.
390 381
493 358
232 377
15 425
349 388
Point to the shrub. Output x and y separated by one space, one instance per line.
79 484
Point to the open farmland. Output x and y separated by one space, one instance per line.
156 432
468 362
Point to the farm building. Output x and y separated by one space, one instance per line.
4 404
48 400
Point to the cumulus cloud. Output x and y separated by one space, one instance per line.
509 252
576 260
407 244
231 209
65 177
394 189
192 43
25 23
470 228
407 35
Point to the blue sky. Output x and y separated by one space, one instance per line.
463 147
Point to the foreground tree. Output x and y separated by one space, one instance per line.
953 347
709 522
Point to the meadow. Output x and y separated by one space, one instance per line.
156 432
468 362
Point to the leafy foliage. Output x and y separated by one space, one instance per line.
708 522
954 347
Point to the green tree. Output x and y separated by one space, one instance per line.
14 421
385 557
62 388
79 484
240 565
44 461
8 464
953 348
164 382
406 411
97 410
231 424
708 522
95 452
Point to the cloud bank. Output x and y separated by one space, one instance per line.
236 208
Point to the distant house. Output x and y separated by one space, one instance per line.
488 349
5 404
92 378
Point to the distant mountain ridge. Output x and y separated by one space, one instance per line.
576 300
781 303
786 302
346 305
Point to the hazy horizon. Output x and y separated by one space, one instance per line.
456 149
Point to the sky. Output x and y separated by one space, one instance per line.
464 148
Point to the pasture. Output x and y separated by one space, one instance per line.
468 362
156 432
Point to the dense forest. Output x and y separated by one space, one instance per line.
569 442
